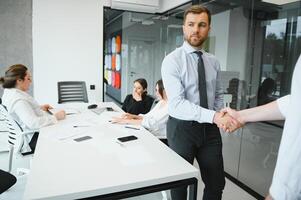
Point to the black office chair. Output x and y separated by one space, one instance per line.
72 91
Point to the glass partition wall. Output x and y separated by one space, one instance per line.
257 44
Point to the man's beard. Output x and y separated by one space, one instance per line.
195 43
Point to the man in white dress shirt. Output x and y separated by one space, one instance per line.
192 82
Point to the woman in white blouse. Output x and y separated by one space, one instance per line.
20 105
155 120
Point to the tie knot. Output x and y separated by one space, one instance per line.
199 53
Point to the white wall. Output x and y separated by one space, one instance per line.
67 45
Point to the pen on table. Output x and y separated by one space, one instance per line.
130 127
78 126
70 113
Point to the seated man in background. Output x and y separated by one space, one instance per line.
155 120
138 102
21 106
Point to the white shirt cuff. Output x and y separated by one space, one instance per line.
207 116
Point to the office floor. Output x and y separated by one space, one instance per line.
231 192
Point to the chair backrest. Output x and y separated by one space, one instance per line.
72 91
15 135
12 127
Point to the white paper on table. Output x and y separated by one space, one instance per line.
64 132
68 134
69 111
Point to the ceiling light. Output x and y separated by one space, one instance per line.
148 22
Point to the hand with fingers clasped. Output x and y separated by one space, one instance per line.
235 121
227 121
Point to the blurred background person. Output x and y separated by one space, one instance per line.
138 102
155 120
21 106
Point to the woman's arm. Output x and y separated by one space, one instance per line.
131 116
265 112
26 115
119 120
156 119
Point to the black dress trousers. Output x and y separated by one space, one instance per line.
202 141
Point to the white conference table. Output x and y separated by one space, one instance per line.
102 168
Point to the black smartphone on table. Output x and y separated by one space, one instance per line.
127 138
109 109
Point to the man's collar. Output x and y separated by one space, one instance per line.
190 49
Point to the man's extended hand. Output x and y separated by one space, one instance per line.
236 122
221 119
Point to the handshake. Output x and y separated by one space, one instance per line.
228 119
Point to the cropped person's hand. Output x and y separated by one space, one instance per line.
236 121
137 96
60 115
46 107
226 122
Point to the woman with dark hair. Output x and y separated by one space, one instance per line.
21 106
155 120
138 102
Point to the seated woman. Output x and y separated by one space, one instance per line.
155 120
138 102
21 106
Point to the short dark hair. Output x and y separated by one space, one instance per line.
12 74
197 9
143 83
160 87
